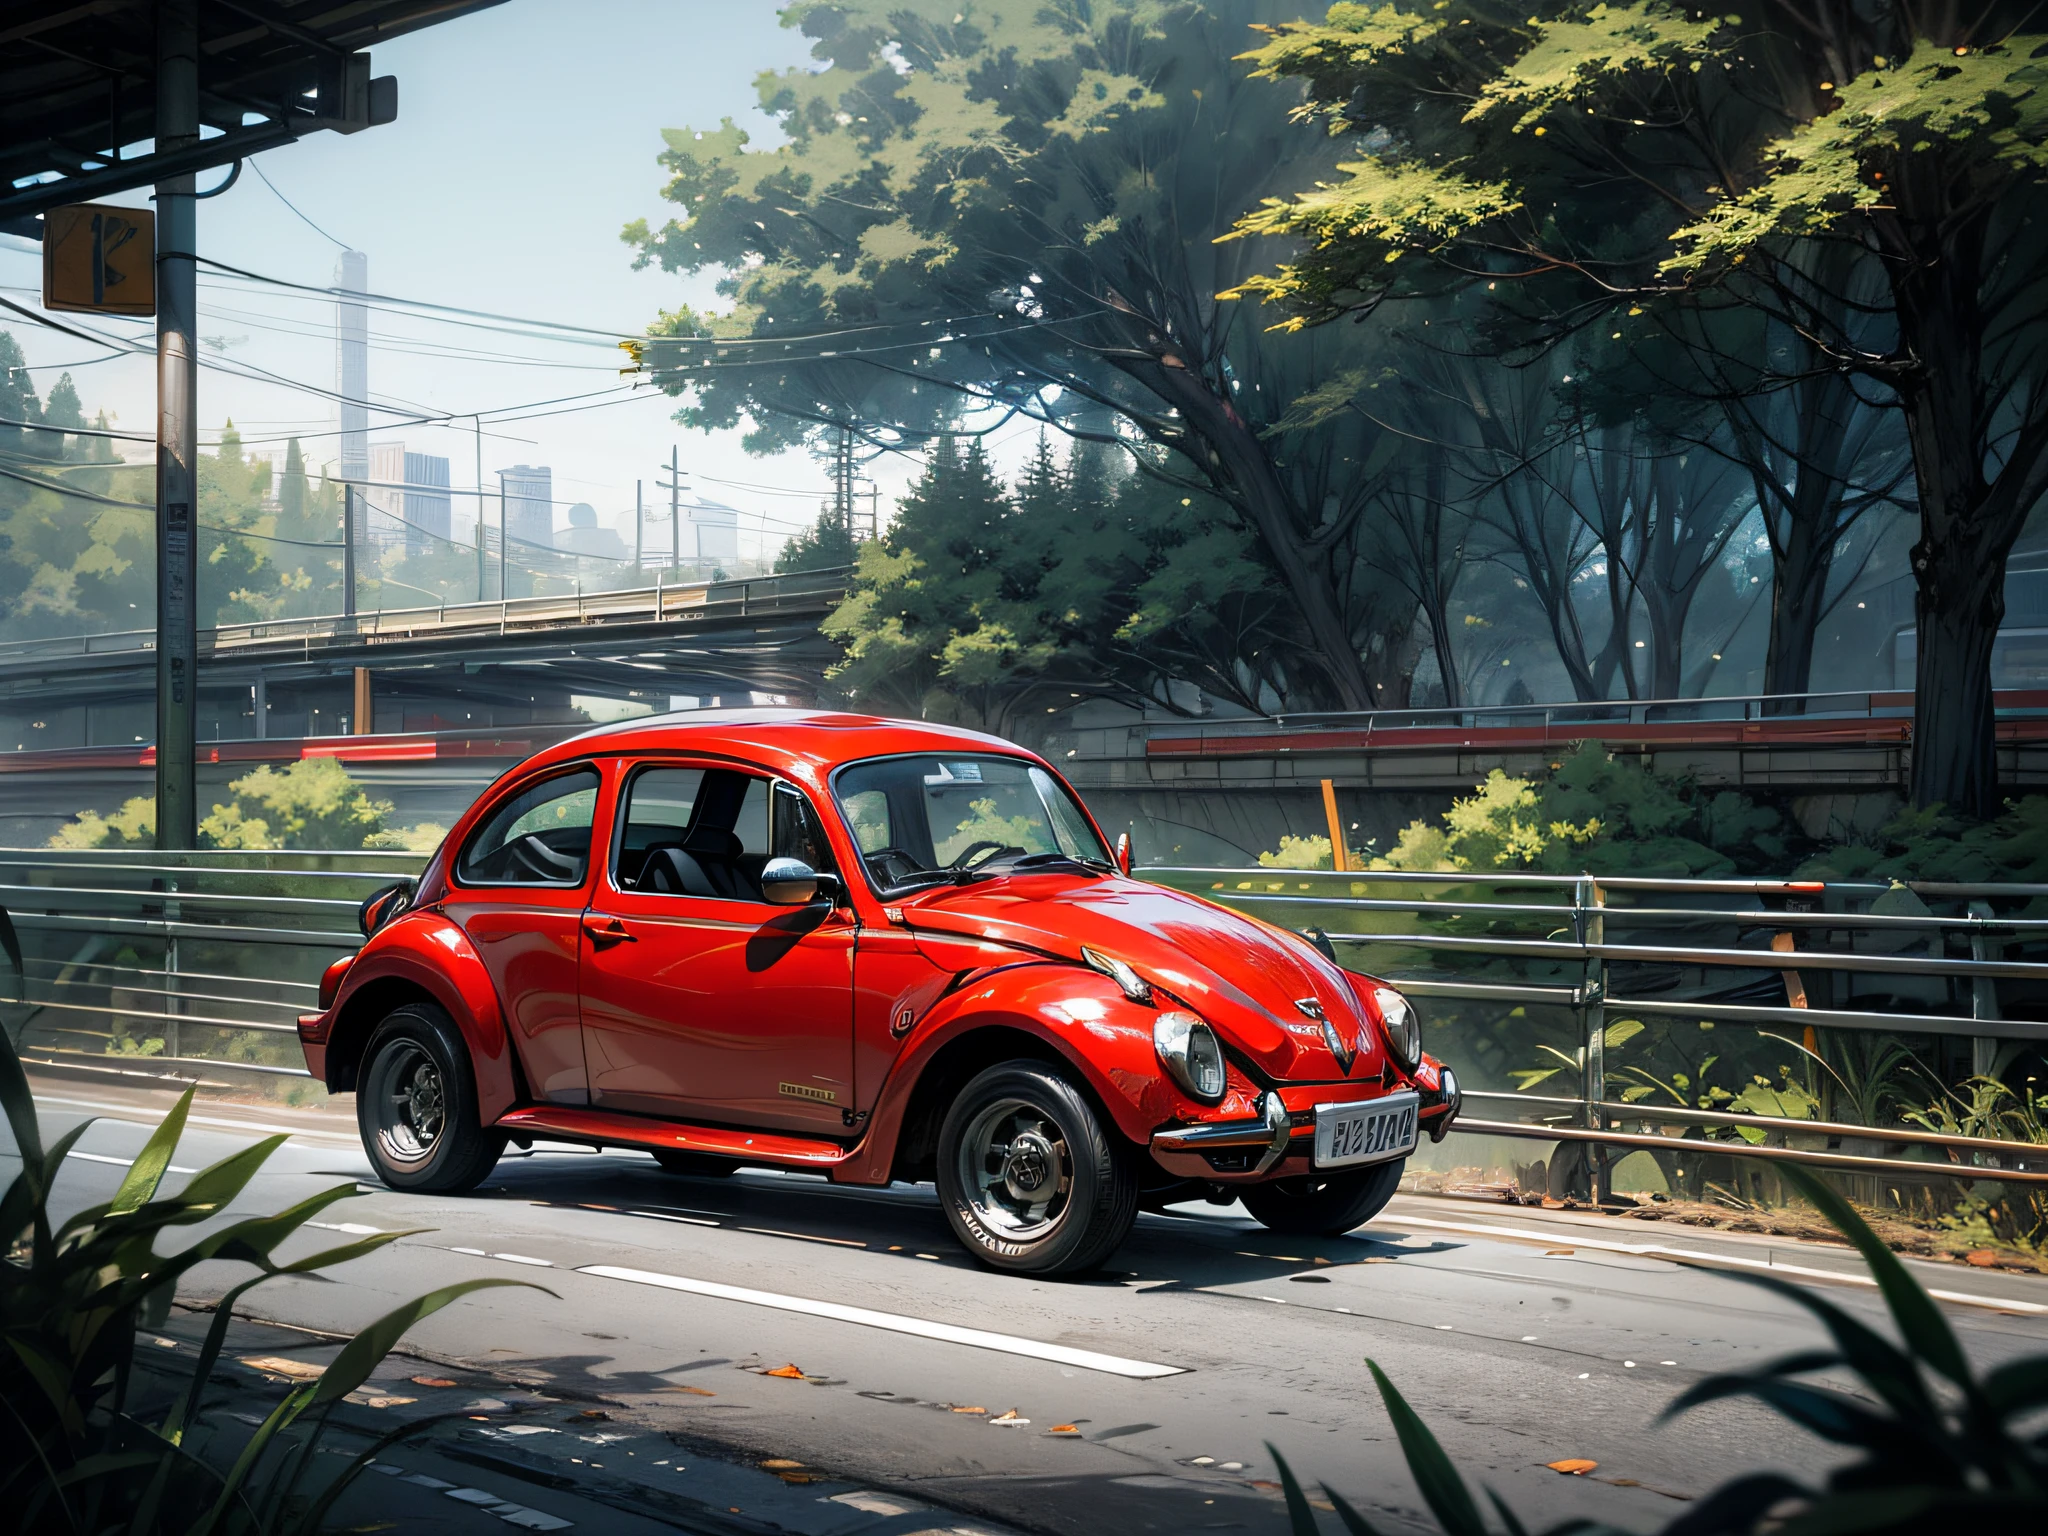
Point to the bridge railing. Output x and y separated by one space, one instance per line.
744 597
1712 1024
1559 721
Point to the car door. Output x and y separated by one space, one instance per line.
701 1000
518 888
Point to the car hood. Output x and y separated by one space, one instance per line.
1246 977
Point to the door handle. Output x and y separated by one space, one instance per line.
606 930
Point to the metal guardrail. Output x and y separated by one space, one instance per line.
743 598
1603 951
179 964
198 963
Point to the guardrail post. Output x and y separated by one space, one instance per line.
1590 919
1983 995
172 1044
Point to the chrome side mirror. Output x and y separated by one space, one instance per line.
1125 854
789 882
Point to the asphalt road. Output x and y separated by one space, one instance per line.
1521 1337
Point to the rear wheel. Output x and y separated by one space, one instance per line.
1324 1204
1029 1176
416 1105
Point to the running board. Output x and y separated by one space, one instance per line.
604 1128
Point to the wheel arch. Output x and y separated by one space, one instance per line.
952 1067
424 958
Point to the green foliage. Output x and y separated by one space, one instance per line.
1313 851
73 1456
313 803
1599 813
981 601
824 547
1935 844
1927 1443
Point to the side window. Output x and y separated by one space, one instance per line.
694 832
541 836
796 834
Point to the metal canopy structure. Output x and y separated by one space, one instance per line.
78 87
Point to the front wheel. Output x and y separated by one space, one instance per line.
1030 1179
416 1105
1324 1204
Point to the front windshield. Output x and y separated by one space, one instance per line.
915 817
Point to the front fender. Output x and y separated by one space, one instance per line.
421 952
1081 1016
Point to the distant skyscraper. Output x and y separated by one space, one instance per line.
529 507
408 497
352 374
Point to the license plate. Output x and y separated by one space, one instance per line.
1348 1134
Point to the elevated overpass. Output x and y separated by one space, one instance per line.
451 666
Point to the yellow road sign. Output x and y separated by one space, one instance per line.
100 260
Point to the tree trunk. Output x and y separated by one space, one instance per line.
1798 599
1958 608
1236 461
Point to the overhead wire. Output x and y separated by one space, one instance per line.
257 166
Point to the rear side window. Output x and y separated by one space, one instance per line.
541 836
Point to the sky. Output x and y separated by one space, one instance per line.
526 137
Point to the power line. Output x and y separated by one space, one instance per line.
257 166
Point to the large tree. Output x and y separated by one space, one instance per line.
1610 163
1012 206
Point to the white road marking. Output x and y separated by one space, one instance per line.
892 1322
695 1221
1723 1260
121 1162
123 1111
520 1258
355 1228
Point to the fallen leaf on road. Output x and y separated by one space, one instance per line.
380 1402
276 1365
1063 1429
780 1463
693 1391
1572 1466
1010 1418
593 1416
787 1372
959 1409
1262 1483
1559 1253
1552 1205
1983 1258
434 1381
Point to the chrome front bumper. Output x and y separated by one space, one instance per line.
1272 1131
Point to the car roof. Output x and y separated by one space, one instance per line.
818 737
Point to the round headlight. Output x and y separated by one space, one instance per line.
1191 1054
1404 1029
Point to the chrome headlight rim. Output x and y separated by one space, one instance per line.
1401 1024
1191 1051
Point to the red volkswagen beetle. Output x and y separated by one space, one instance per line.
872 948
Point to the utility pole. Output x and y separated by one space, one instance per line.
348 552
639 526
177 432
479 507
842 482
674 486
504 548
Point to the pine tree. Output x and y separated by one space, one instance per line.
18 401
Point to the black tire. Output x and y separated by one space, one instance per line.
1015 1130
698 1165
416 1105
1324 1204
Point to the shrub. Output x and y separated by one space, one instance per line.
313 803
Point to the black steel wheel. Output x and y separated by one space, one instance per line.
1324 1204
1031 1179
416 1105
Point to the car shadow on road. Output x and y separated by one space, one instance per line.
1190 1247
